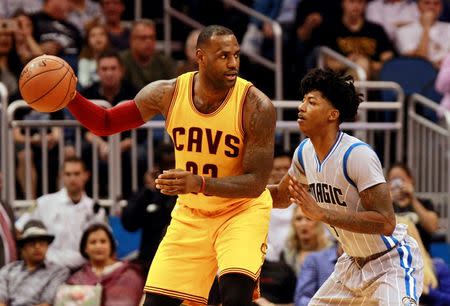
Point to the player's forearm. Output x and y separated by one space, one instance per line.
280 199
241 186
366 222
104 122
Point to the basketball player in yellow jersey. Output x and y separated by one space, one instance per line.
223 132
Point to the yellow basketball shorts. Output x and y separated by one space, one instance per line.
196 247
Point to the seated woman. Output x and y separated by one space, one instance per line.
420 211
121 281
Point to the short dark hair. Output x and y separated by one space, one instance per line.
110 53
73 159
402 166
337 88
93 228
209 31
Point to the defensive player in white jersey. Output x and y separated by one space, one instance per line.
337 179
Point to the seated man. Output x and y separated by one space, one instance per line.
427 37
66 214
31 281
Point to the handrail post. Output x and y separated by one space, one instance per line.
4 140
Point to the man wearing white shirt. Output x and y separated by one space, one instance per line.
392 14
428 37
66 214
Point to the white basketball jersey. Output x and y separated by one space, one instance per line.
350 167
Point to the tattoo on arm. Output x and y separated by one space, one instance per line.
259 129
155 98
378 217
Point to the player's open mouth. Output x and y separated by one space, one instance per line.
231 76
300 118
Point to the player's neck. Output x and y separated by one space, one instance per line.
207 98
323 142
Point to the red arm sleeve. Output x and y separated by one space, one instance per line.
104 122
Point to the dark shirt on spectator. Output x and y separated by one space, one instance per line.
426 236
47 28
371 40
150 211
160 67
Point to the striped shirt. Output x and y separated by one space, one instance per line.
21 287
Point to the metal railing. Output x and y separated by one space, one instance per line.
429 155
275 65
324 51
42 126
3 141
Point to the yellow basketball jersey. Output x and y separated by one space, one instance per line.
207 144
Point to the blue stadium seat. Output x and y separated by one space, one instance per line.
414 75
127 242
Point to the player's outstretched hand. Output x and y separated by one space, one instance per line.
177 181
304 199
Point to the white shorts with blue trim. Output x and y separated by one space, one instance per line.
395 278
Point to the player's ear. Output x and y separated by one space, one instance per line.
200 55
333 115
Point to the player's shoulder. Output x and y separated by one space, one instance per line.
255 98
157 92
350 143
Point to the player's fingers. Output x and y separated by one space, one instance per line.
170 182
173 174
170 191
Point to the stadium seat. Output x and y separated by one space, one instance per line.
127 242
414 75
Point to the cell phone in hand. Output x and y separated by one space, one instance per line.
8 25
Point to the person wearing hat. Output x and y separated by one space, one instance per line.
31 281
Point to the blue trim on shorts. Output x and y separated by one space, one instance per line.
346 155
408 270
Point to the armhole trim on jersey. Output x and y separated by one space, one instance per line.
300 154
241 109
172 103
346 155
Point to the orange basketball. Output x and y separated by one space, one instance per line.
47 83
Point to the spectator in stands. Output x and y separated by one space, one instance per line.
34 155
443 83
190 48
114 88
55 34
26 46
83 13
315 270
306 236
8 248
143 64
9 7
66 214
119 34
32 280
121 281
392 14
280 219
311 19
361 41
8 57
96 42
427 37
420 211
149 209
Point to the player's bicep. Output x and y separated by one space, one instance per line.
155 98
377 198
259 118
